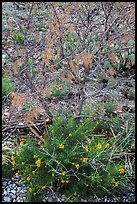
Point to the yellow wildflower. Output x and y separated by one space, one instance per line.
38 163
121 170
85 159
77 166
43 187
28 179
62 181
30 189
13 162
17 174
116 184
12 158
21 143
39 143
33 172
22 163
61 146
63 173
86 148
67 181
99 146
107 145
12 169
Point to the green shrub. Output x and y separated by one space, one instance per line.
7 86
29 105
19 38
60 89
110 107
72 160
131 94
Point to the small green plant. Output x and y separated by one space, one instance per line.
7 86
29 105
6 162
110 107
19 38
70 159
131 94
60 89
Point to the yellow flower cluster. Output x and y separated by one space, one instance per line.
13 160
21 143
77 166
61 146
28 179
63 173
43 187
86 148
84 159
107 145
30 189
63 181
122 170
116 184
99 146
17 174
38 162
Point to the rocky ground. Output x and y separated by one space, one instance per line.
14 191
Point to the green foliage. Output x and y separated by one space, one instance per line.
19 38
110 107
72 159
131 94
7 86
60 89
29 105
6 164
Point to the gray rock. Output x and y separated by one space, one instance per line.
18 189
5 192
13 196
7 198
13 191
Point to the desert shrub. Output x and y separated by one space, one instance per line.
70 160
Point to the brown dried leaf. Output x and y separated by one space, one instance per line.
46 91
87 59
33 114
73 67
114 58
78 59
70 76
18 100
71 28
15 69
128 64
111 71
